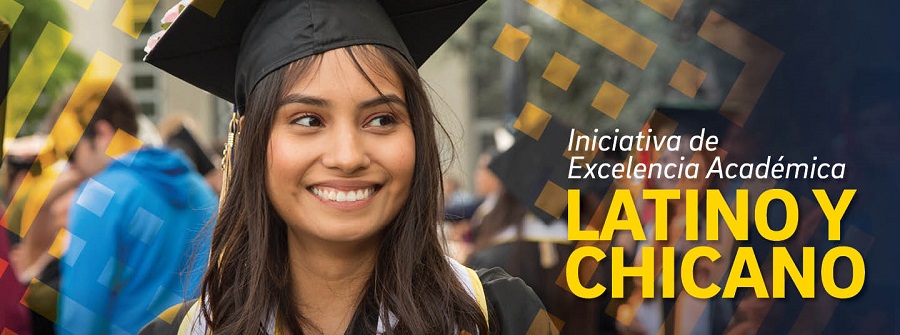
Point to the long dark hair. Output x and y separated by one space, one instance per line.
248 277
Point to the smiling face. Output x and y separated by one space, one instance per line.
340 155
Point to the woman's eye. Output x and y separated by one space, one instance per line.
382 121
308 121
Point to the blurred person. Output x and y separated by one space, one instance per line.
454 194
37 247
135 224
651 315
868 144
487 188
179 132
32 202
19 161
511 236
462 221
13 315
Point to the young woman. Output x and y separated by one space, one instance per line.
329 220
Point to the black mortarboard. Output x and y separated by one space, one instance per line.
460 212
185 141
230 53
527 166
692 118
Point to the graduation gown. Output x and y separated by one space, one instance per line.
514 309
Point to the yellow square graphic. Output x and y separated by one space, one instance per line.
169 314
610 100
687 79
553 199
532 121
59 244
512 42
667 8
561 71
210 7
41 298
121 143
543 323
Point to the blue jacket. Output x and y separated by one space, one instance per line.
139 243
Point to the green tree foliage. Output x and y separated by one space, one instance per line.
32 21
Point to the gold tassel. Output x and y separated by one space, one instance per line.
234 129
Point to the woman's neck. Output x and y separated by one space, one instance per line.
329 279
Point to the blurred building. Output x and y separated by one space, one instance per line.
105 27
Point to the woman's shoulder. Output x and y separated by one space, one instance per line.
168 321
514 306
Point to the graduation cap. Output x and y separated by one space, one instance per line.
529 166
693 118
229 53
185 141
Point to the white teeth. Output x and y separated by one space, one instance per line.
343 196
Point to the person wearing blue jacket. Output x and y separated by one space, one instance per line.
139 241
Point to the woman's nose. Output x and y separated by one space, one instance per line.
346 150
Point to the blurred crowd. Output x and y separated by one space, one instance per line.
496 227
102 233
107 231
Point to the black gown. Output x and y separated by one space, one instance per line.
514 309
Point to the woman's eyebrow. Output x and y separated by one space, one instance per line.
295 98
381 100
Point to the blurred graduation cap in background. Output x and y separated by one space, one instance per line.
690 118
185 141
536 171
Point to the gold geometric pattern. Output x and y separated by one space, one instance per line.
667 8
84 4
134 15
687 79
610 100
512 42
121 143
59 243
561 71
95 81
26 88
544 323
760 60
532 121
43 307
169 314
601 28
552 199
210 7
